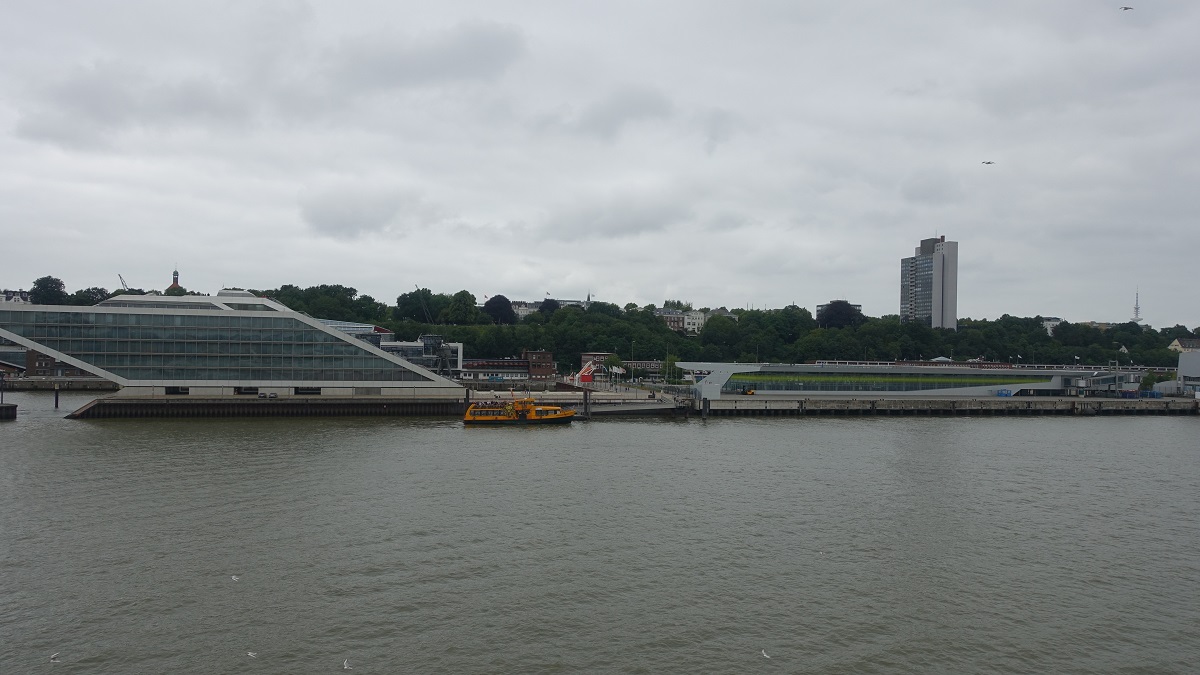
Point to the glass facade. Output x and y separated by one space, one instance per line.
204 346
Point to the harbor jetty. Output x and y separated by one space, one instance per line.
607 404
950 407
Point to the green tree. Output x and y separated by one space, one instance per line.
681 305
722 332
87 297
48 291
500 309
549 306
421 305
840 314
605 308
461 310
176 291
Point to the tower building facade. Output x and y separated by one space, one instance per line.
929 284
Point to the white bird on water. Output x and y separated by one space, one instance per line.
346 665
253 655
236 578
54 657
764 653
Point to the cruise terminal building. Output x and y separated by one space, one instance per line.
925 379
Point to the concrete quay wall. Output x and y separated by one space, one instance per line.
62 384
947 407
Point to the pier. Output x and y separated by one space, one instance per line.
945 407
599 405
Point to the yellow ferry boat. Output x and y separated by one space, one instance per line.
516 411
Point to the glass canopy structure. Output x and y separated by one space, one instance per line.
230 343
892 379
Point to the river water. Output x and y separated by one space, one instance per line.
872 545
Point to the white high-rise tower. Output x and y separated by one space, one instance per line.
929 284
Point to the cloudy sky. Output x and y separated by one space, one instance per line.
751 153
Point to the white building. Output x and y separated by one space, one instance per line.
929 284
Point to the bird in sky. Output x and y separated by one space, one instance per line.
764 653
1126 9
253 655
346 665
989 162
54 657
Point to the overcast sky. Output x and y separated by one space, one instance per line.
749 153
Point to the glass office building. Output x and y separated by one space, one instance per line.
230 343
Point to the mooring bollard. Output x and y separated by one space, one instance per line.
56 397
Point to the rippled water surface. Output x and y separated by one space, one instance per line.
649 546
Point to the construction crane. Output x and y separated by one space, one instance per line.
123 284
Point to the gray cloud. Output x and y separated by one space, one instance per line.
346 208
932 186
606 118
106 97
621 213
719 127
476 51
794 152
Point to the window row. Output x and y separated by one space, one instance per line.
218 319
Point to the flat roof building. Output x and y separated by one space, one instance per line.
929 284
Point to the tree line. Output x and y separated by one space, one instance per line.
788 335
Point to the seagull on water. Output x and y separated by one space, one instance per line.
54 657
764 653
236 578
346 665
253 655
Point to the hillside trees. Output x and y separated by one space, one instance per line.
840 314
549 306
88 296
48 291
461 310
421 305
500 309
